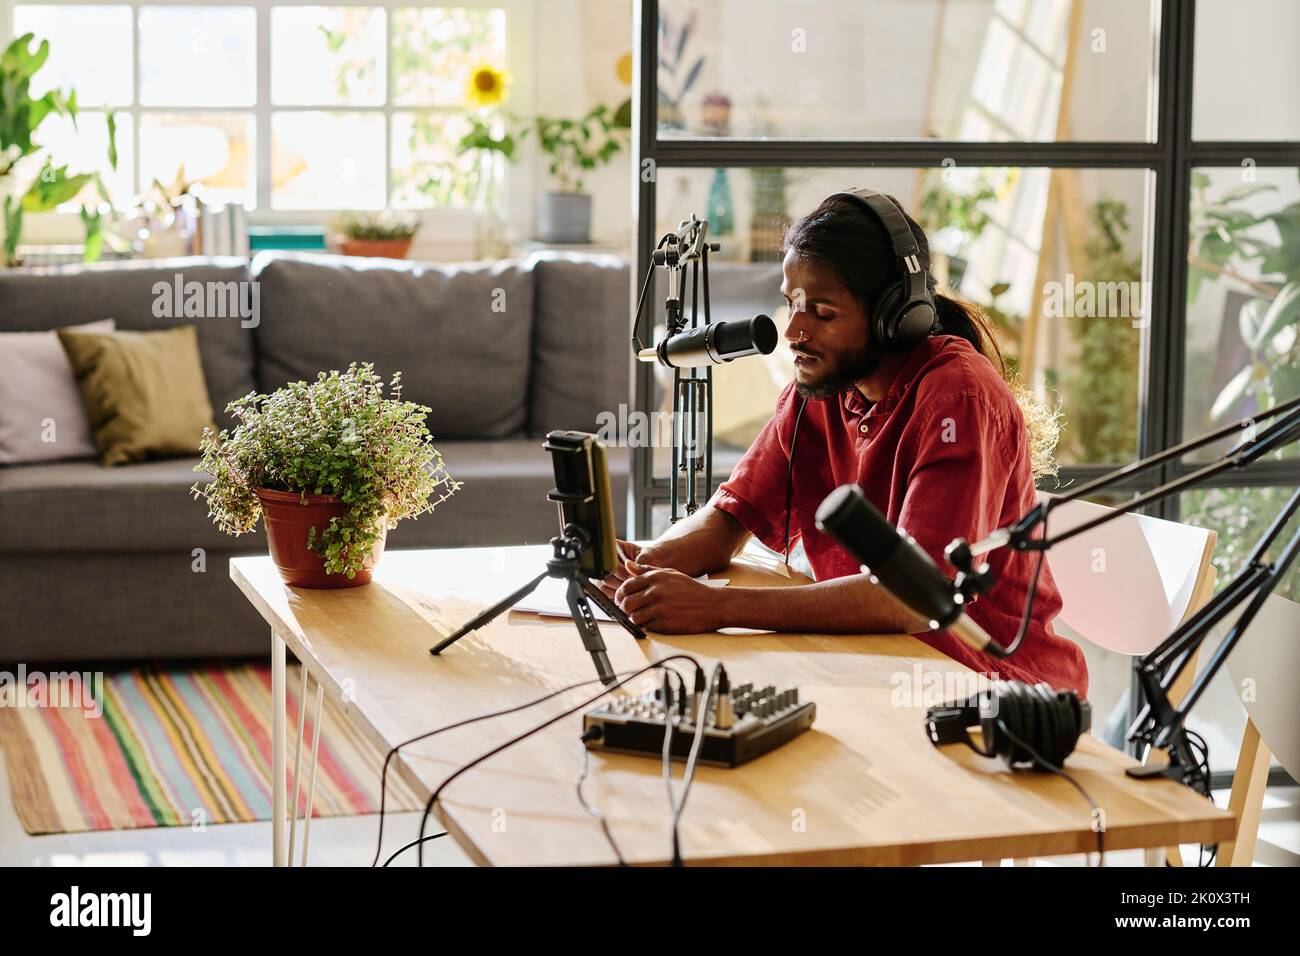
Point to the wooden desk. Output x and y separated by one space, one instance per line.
864 786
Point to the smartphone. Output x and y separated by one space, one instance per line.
583 495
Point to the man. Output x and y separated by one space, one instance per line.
925 425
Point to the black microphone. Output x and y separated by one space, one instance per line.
899 565
714 344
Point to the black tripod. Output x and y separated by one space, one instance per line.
565 565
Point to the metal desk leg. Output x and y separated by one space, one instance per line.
315 749
297 763
278 857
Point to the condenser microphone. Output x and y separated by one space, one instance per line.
899 565
714 344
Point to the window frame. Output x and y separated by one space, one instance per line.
519 60
1170 159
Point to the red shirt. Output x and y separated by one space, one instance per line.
943 455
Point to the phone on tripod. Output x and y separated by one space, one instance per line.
583 494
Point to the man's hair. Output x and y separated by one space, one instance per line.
854 245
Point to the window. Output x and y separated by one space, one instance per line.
282 107
1044 145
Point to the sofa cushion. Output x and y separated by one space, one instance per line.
75 506
460 335
81 506
582 341
143 296
41 415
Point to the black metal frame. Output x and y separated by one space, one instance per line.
1171 158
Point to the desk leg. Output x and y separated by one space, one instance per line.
278 857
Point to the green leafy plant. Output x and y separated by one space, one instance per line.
1101 395
575 147
338 435
1226 243
21 115
377 225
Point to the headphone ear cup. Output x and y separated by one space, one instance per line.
899 323
884 326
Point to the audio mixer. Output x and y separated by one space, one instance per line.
741 723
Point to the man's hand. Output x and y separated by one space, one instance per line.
629 551
669 602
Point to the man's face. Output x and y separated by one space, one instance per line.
828 331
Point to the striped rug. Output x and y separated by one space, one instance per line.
179 747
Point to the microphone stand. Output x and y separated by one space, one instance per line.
685 254
1160 724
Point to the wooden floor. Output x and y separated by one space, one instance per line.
350 841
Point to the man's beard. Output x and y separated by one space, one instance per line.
850 368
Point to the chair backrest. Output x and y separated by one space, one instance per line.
1127 584
1264 665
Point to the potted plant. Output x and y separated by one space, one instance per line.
574 148
380 234
331 465
21 114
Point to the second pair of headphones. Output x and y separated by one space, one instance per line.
904 313
1021 723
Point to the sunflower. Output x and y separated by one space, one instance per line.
487 86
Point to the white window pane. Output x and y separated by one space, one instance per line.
427 170
434 50
198 56
327 160
328 56
84 149
215 149
90 50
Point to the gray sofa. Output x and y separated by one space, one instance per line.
98 563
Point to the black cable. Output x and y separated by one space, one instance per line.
383 777
1101 844
592 734
1027 616
414 843
789 478
433 797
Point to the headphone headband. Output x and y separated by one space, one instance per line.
891 217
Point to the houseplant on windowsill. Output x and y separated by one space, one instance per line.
331 465
573 147
374 234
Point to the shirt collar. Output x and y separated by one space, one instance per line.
856 403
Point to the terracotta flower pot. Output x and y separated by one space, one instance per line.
381 248
289 522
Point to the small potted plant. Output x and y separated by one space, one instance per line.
573 147
374 234
331 465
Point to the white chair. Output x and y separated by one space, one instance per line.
1127 584
1263 666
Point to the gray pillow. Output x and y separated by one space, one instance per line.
41 415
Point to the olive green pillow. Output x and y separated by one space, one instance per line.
143 392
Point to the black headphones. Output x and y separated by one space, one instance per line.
1021 723
904 313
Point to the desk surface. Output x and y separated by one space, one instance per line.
864 786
